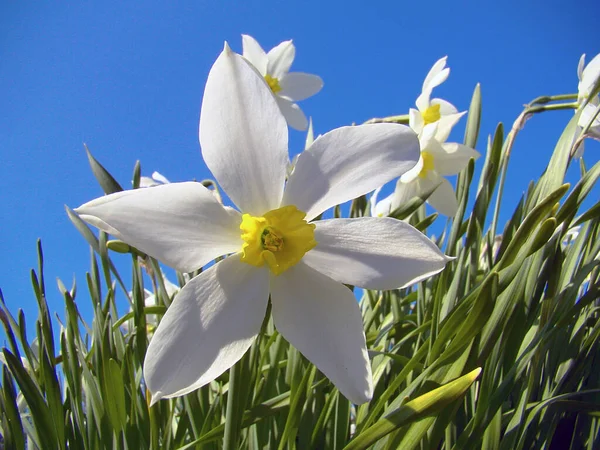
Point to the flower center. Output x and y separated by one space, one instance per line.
431 114
274 84
279 239
427 164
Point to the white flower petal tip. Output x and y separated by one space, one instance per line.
155 397
374 253
226 48
322 319
209 326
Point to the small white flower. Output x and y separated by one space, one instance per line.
587 78
275 250
288 87
383 207
156 180
436 110
438 160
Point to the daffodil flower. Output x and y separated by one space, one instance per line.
437 161
156 180
275 249
588 74
287 87
436 110
383 207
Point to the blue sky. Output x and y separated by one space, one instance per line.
127 79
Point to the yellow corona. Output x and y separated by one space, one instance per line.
431 114
278 239
274 83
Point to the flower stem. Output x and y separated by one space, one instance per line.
552 98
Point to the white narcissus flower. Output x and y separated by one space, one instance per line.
438 160
287 87
434 110
383 207
588 74
156 180
275 250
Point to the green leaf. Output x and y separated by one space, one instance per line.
114 390
108 184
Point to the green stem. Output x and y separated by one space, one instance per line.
552 98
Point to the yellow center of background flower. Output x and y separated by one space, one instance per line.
427 164
274 83
431 114
279 239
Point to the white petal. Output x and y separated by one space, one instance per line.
349 162
322 319
243 135
443 199
446 107
147 182
254 53
588 114
292 113
298 86
445 125
380 208
453 158
160 178
429 132
422 101
383 207
374 252
280 59
404 193
180 224
580 66
589 76
310 136
413 173
207 329
437 75
415 120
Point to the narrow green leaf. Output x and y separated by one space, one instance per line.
108 184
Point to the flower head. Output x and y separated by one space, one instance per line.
437 160
287 87
588 76
275 247
435 110
383 207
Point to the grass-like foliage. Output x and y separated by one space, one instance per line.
498 351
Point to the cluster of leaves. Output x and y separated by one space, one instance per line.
497 351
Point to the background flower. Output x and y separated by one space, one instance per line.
288 87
